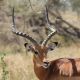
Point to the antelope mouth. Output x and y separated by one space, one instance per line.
46 64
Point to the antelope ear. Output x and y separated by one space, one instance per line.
52 46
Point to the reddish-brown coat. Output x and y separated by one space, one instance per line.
63 67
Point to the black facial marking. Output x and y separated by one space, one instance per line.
25 44
35 52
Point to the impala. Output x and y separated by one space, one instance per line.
59 69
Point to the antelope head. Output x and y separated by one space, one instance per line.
39 50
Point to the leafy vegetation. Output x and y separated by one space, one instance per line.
4 68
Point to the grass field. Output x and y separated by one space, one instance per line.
20 65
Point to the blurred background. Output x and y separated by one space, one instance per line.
64 15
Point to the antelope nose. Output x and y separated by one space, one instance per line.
46 63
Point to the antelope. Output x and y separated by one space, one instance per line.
58 69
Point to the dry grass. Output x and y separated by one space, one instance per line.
20 66
65 52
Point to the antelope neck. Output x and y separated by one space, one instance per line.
40 71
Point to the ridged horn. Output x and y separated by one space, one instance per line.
49 27
15 31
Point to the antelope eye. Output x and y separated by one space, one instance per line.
36 52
